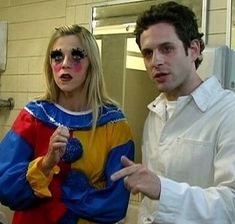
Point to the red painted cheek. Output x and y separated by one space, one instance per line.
56 67
77 67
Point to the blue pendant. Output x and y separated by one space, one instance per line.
73 151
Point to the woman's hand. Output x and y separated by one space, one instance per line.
56 149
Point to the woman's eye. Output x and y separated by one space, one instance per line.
77 57
57 56
78 54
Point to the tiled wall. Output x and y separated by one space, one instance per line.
217 30
29 26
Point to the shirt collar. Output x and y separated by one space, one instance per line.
52 115
203 95
159 101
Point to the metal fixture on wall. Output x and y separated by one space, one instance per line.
9 103
3 45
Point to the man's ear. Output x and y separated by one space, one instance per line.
195 49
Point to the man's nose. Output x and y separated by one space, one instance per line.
157 58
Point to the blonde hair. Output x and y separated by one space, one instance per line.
94 84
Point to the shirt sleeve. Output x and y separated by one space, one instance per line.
15 155
38 181
180 202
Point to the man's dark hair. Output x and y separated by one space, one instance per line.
181 17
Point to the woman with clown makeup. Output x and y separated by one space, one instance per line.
57 159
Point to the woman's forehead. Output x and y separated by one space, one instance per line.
67 43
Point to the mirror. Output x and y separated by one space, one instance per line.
124 71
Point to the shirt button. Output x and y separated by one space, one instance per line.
148 220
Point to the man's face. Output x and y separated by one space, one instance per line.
171 69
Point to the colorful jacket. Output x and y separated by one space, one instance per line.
76 192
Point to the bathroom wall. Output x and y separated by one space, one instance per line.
30 23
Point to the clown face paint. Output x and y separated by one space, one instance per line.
69 63
57 58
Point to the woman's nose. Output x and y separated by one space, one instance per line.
66 62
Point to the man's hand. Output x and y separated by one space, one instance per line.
137 178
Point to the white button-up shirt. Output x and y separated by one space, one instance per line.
193 153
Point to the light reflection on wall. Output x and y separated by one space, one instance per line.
233 25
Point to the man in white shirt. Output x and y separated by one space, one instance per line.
188 150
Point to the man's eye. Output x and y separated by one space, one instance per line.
147 53
167 49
